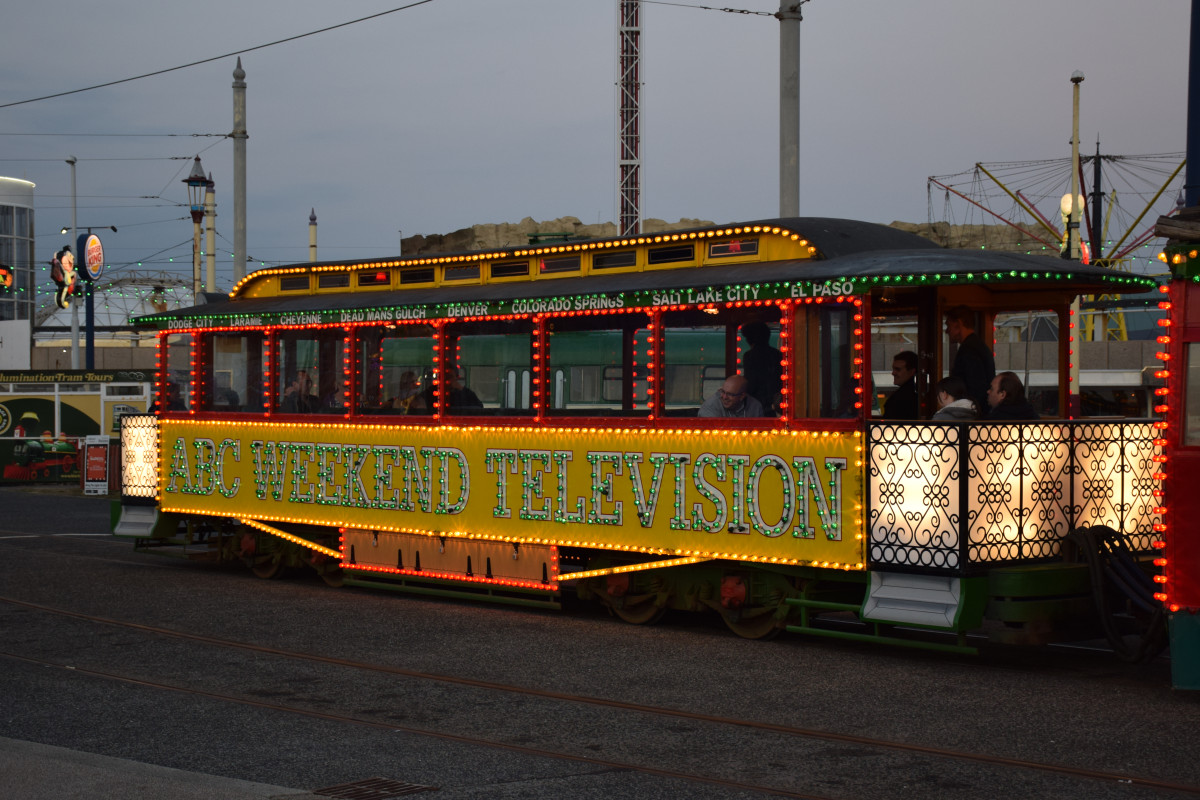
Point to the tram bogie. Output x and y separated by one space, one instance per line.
577 418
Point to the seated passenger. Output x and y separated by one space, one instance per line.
1006 396
731 400
954 405
460 398
408 400
298 397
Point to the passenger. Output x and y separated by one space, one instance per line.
953 403
973 362
732 400
458 396
174 400
762 365
298 397
1006 396
408 400
902 404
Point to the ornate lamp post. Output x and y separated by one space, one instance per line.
197 183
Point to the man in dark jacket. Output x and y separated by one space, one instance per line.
902 403
973 362
1006 397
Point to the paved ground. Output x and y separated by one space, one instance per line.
95 710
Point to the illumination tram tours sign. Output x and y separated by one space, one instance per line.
787 497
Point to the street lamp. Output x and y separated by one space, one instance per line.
112 228
197 183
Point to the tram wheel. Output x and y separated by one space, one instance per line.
644 610
331 574
753 623
268 565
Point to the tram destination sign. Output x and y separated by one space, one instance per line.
616 301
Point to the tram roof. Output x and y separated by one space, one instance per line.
864 254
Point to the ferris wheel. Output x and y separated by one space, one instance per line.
121 297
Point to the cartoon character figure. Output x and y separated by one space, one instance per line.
62 272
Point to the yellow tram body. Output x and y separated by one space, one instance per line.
587 459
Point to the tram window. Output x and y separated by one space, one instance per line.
425 275
732 248
487 363
600 364
696 350
559 264
671 254
233 377
334 280
310 376
510 269
177 371
621 258
293 283
1191 397
395 369
824 362
469 272
376 278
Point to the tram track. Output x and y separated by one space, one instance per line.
823 736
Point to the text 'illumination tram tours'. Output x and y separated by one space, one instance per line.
685 420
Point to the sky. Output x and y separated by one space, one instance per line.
457 112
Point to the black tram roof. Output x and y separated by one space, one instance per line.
848 251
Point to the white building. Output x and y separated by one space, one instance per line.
17 288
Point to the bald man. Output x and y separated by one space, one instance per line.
731 400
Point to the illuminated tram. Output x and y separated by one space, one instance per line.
514 424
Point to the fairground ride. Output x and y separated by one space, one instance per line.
1022 206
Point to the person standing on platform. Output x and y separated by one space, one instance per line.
902 403
973 362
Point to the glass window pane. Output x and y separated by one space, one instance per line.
490 365
311 371
835 356
694 361
599 365
234 379
395 370
176 392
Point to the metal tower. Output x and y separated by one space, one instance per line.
630 159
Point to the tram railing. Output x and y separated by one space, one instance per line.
950 498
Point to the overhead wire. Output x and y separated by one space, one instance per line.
215 58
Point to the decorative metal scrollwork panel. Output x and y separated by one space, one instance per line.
914 503
950 496
139 455
1018 485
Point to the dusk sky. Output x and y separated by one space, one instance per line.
456 112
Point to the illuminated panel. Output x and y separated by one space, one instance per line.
913 495
528 566
763 496
1115 483
1026 487
139 456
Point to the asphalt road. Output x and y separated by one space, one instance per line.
292 684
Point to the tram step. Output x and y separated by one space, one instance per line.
143 522
932 601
